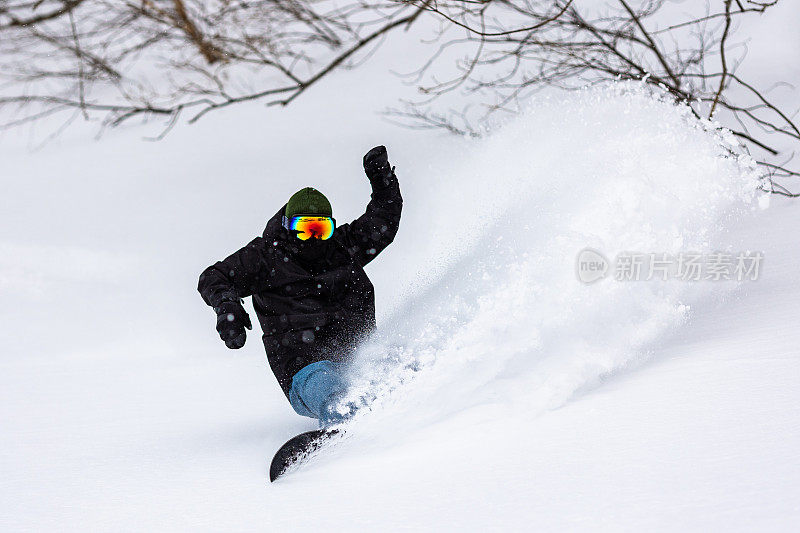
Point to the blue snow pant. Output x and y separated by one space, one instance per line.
317 389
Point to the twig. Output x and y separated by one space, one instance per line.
722 57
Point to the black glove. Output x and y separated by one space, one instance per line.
376 164
231 321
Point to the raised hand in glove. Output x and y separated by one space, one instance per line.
232 319
376 164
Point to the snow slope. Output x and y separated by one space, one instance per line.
540 403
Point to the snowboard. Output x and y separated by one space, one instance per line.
296 449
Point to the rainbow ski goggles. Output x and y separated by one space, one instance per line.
309 226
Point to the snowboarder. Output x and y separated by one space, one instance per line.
313 300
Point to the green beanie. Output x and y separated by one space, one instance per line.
308 201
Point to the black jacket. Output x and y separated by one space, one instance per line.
310 310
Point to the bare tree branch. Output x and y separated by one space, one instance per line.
722 58
569 44
113 60
198 55
208 50
67 6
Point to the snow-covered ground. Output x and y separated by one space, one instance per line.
541 403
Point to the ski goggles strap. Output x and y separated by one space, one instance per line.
308 226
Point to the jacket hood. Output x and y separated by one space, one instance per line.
274 229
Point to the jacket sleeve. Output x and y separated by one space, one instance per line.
373 231
241 274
